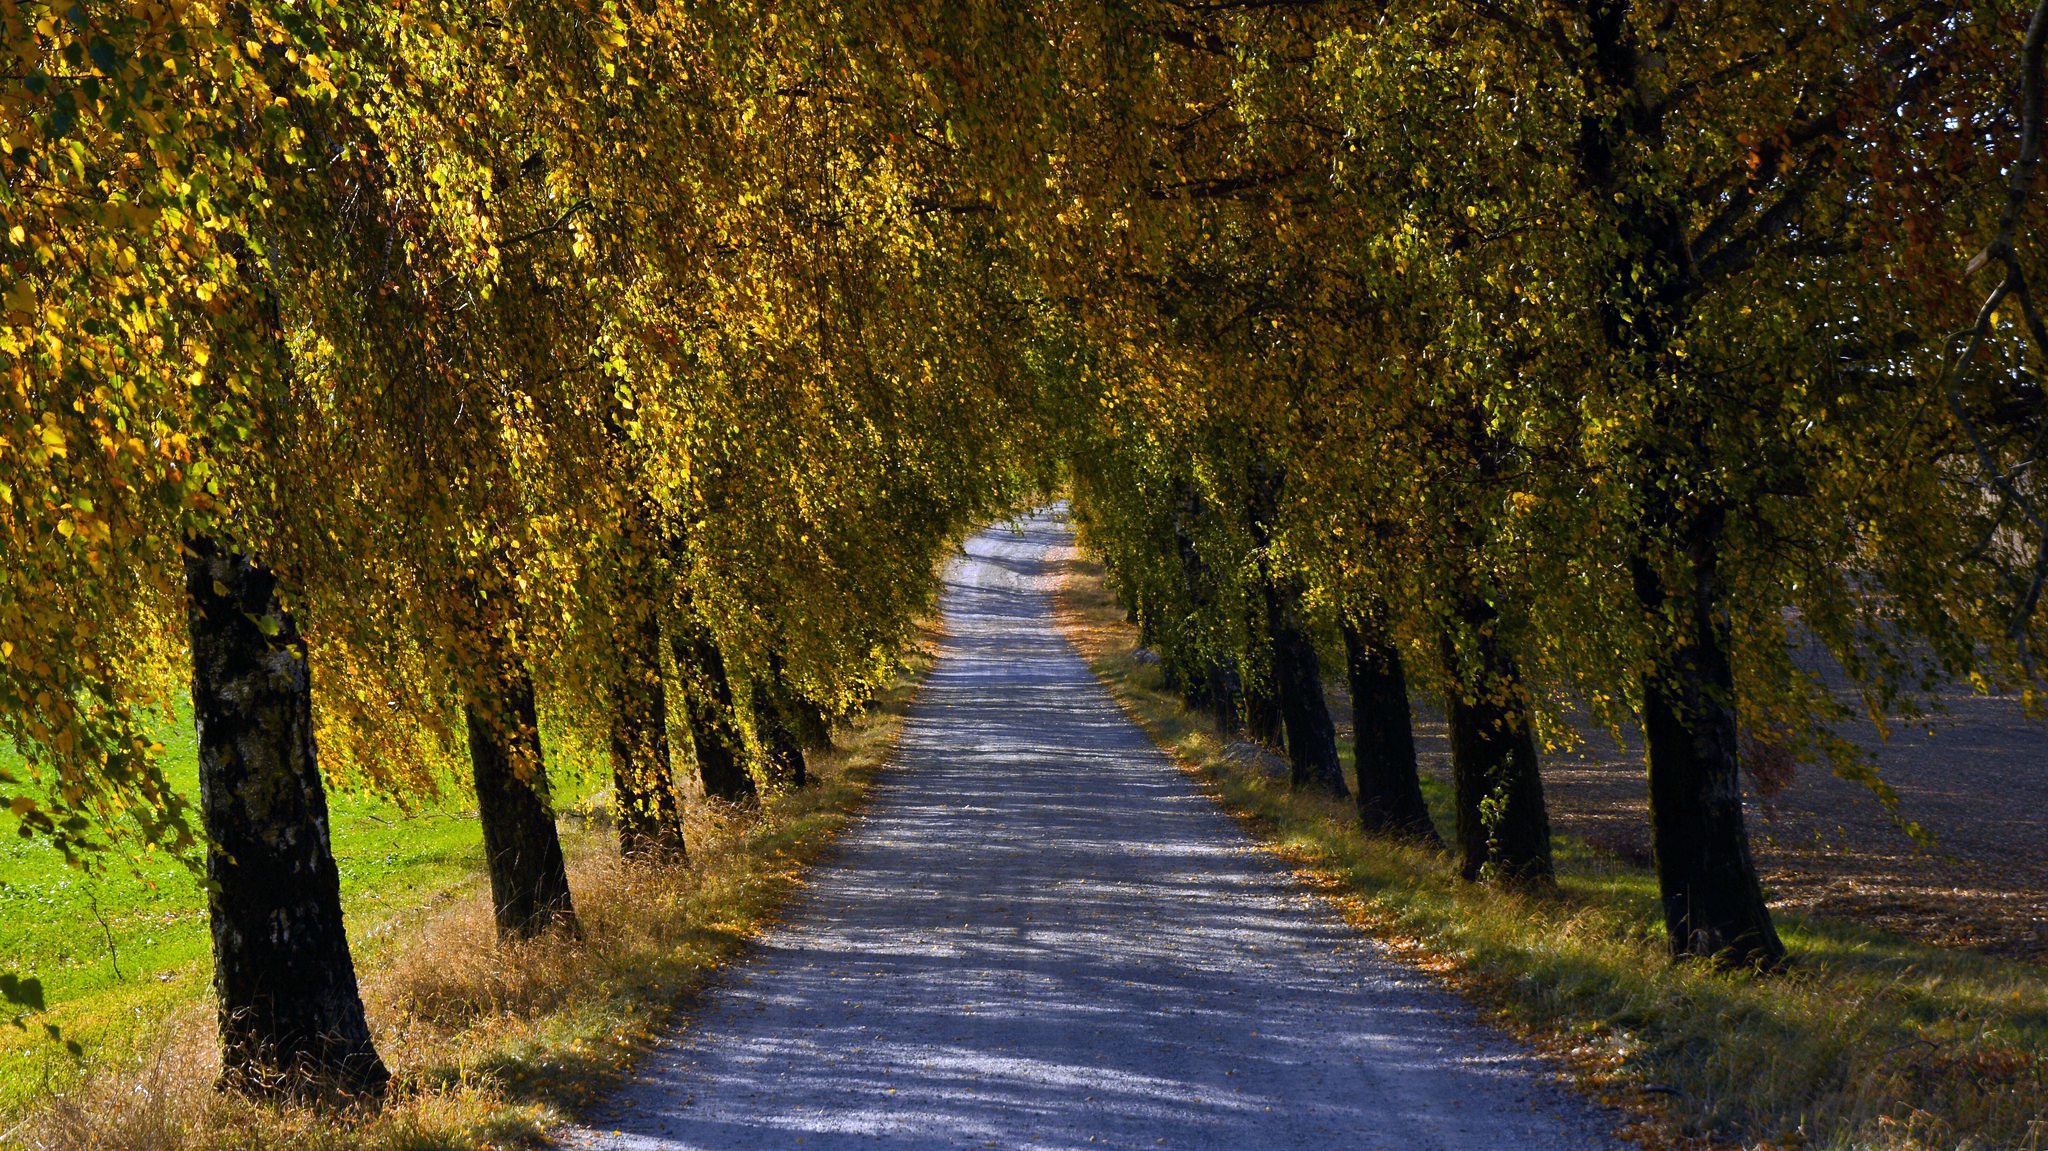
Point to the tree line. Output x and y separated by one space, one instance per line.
1582 362
401 383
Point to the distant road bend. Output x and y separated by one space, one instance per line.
1042 936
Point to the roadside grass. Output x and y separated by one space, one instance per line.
490 1046
121 948
1869 1041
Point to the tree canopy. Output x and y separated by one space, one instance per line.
1587 360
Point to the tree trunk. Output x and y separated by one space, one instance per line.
1503 828
1298 680
714 733
643 778
291 1017
813 727
1713 902
1226 702
779 719
1258 702
1187 679
522 851
1263 700
1383 737
779 741
1190 668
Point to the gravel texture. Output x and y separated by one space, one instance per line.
1041 935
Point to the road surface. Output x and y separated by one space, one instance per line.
1041 935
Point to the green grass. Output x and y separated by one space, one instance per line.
1870 1040
123 947
490 1044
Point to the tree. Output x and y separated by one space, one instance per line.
650 815
1383 736
291 1019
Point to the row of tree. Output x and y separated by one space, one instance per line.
1582 361
610 370
406 381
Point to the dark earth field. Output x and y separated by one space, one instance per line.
1975 777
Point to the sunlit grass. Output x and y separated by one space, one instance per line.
489 1045
1869 1040
122 946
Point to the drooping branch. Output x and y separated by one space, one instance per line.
2003 250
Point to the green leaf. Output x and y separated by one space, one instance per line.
103 55
63 114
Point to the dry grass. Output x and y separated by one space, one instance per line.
492 1045
1871 1041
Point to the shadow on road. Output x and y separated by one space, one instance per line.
1041 935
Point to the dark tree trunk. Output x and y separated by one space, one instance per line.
291 1017
1191 670
1503 827
780 716
522 851
1383 737
643 776
1713 902
813 727
1263 695
1148 624
1225 701
779 741
1298 680
1259 704
714 731
1191 682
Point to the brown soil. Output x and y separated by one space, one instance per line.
1975 777
1978 781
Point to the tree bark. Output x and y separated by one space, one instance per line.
1297 678
1713 901
1383 737
779 720
1188 683
522 850
1190 668
812 726
714 732
291 1016
1263 702
1258 698
785 752
1259 704
643 776
1225 700
1503 827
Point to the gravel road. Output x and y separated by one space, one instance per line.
1042 936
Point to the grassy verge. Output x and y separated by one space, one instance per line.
491 1046
123 947
1869 1041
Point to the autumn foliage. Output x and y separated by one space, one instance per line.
619 367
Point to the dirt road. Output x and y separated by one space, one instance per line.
1042 936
